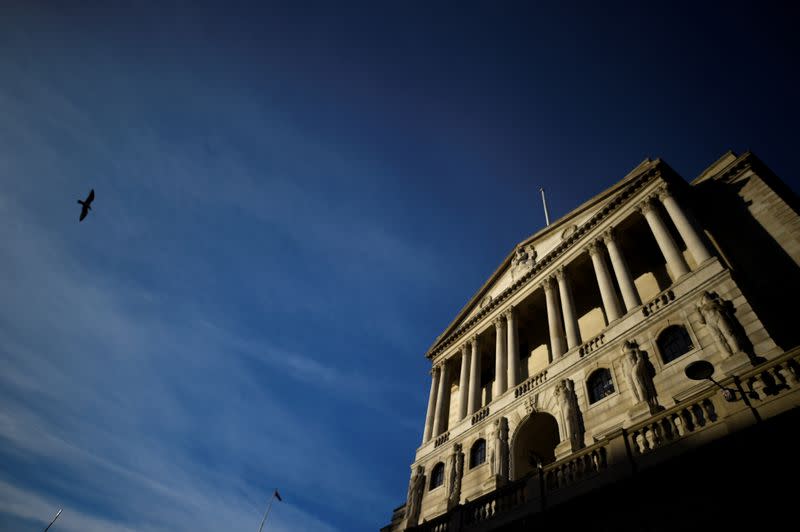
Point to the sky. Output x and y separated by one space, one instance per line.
292 201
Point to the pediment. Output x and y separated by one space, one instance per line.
525 255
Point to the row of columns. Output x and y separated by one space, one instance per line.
561 311
469 383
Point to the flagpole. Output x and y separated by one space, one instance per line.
267 512
53 521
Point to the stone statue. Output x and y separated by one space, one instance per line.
500 448
415 490
568 401
523 260
717 316
640 374
456 471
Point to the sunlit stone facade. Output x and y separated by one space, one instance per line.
565 372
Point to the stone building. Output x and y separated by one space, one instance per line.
562 384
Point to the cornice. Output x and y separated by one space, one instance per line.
742 163
659 169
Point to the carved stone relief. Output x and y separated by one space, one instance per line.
523 260
414 502
568 402
639 372
500 449
717 315
456 472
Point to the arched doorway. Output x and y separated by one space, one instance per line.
535 440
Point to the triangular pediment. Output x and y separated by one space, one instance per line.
522 258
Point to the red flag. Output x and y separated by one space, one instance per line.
278 496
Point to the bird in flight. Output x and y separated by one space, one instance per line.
86 205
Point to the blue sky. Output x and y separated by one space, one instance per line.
292 202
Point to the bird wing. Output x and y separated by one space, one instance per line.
84 212
90 198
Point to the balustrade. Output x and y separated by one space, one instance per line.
575 468
671 426
441 439
480 415
658 302
530 384
493 504
592 345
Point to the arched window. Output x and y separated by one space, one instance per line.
673 342
437 475
600 385
477 455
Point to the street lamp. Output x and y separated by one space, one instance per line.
701 370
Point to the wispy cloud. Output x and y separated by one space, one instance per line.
148 407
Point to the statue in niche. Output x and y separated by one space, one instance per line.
523 260
456 471
499 458
717 315
568 401
640 374
415 490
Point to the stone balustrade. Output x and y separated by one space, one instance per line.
480 415
657 303
437 524
442 439
592 345
576 467
530 384
671 425
783 375
495 503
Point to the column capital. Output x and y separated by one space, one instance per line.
473 340
465 347
593 247
664 191
509 312
547 283
560 274
646 205
435 369
609 235
498 323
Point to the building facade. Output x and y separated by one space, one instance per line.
566 373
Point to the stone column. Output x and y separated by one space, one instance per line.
500 358
431 404
607 293
442 412
684 227
629 294
513 347
568 308
463 383
553 319
474 401
666 244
